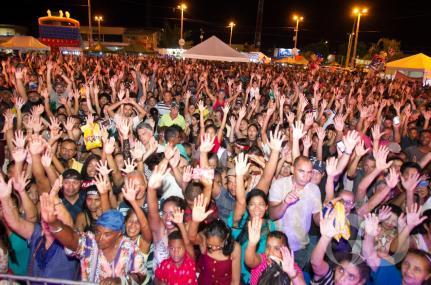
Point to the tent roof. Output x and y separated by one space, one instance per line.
417 61
23 43
214 49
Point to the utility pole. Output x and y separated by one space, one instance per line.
259 20
90 27
349 46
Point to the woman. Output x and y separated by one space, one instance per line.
6 251
85 221
348 268
89 171
220 258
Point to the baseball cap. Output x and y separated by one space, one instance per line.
319 166
174 104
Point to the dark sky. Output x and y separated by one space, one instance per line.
331 20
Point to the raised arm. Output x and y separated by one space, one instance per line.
368 248
241 168
155 183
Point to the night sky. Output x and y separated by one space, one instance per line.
331 20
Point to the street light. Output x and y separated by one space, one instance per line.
231 25
297 19
359 12
349 46
90 28
98 19
182 7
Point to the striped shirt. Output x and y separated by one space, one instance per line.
163 108
328 279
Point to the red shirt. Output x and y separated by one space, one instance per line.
170 274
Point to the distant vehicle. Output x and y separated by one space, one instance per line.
60 32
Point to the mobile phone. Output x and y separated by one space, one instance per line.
341 146
423 183
396 120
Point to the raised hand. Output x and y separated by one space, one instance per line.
288 257
138 151
178 216
109 145
129 166
327 228
37 110
298 132
206 143
175 159
376 133
102 168
129 190
254 227
5 188
292 197
309 119
47 208
384 213
36 123
20 181
56 187
18 102
124 127
187 174
381 155
360 149
371 225
241 113
157 176
46 158
321 133
331 166
201 106
413 216
19 140
241 164
307 142
54 124
226 109
339 122
350 140
276 140
199 212
411 182
102 183
36 145
392 178
19 154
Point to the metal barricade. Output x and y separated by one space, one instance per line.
10 279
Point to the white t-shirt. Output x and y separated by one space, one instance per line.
296 221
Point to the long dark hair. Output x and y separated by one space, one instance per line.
219 229
84 173
243 235
6 242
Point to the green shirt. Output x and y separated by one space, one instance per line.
166 121
22 253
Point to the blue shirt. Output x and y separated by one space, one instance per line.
52 262
386 274
75 209
225 204
261 246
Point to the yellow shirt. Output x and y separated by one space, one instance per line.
166 121
76 165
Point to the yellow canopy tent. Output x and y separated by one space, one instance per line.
24 43
415 66
297 60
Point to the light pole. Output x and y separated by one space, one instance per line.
359 13
297 19
349 46
98 19
182 7
231 25
90 28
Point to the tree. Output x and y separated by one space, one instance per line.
170 36
391 46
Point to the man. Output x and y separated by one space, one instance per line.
72 196
165 106
295 202
68 151
98 250
129 105
416 152
173 118
225 198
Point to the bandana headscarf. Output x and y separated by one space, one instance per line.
111 219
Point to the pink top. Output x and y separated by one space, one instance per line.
257 271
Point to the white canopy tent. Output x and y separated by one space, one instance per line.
214 49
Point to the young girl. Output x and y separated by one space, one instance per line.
86 219
161 227
180 267
221 255
276 251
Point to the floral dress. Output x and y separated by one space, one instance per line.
94 265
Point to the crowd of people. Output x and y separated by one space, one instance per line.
153 170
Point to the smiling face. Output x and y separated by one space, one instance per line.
415 269
91 168
133 228
257 207
167 216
